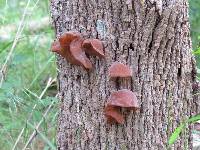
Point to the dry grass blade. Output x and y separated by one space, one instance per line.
49 83
8 58
51 145
33 135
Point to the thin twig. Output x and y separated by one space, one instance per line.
19 30
52 147
33 135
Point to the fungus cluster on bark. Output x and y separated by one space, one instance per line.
122 98
73 48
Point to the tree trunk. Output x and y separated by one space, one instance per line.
151 36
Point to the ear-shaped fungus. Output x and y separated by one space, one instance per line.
69 46
124 98
118 69
66 39
120 99
78 54
72 47
62 45
93 47
113 115
55 47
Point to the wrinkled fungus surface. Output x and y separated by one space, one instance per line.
118 69
93 47
78 54
120 99
55 47
124 98
72 47
66 39
113 115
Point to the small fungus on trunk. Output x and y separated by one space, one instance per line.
118 69
120 99
72 47
124 98
56 47
113 115
78 54
66 39
93 47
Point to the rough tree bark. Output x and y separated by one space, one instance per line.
151 36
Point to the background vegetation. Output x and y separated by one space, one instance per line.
28 95
30 87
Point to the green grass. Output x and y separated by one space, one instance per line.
28 72
195 27
195 22
25 94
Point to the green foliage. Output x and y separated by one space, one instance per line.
195 22
194 119
197 51
195 29
174 136
23 97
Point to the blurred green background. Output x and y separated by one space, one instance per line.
28 100
30 86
